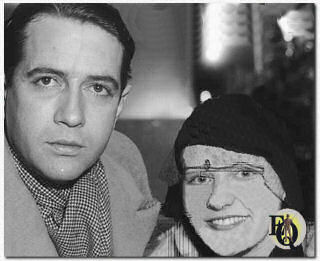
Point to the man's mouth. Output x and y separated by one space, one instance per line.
226 222
64 147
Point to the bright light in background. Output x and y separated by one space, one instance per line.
215 25
205 95
296 23
214 53
285 29
211 32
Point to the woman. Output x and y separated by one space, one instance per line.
235 169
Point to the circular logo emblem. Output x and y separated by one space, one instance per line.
287 228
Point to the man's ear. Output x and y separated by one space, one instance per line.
122 100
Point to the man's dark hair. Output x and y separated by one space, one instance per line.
102 15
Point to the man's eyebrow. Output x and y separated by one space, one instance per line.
103 78
39 70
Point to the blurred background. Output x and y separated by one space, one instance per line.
187 53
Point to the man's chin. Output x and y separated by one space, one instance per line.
63 169
61 174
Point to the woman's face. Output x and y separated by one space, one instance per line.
228 203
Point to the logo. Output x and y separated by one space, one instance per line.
287 228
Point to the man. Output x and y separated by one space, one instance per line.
235 168
66 73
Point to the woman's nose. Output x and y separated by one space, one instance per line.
221 195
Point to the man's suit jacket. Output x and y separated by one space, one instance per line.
25 233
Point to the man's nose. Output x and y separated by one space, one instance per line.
221 195
70 109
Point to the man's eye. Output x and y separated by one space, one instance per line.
99 89
200 180
46 81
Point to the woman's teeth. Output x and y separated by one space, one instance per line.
228 221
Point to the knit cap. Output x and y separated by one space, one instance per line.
237 123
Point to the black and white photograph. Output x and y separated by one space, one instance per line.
149 129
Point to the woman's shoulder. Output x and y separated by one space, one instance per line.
164 244
174 242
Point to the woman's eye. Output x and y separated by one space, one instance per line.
201 180
246 174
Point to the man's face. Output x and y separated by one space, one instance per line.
230 207
65 96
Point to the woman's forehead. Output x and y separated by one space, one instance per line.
196 155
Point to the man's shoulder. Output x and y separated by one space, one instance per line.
121 147
24 231
123 153
134 211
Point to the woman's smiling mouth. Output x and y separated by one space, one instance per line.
226 222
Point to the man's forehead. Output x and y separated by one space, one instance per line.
66 42
48 19
196 155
